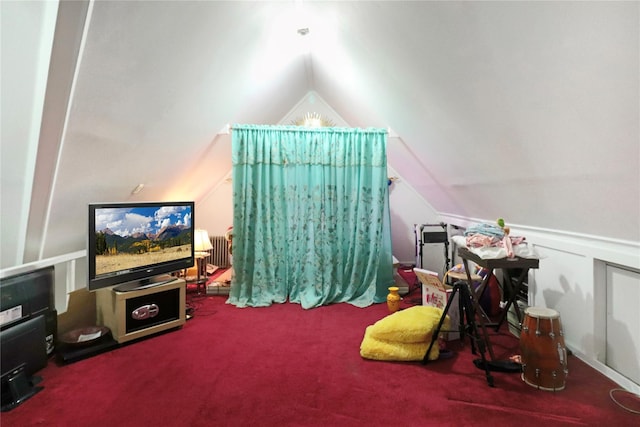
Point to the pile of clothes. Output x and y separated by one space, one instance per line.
491 235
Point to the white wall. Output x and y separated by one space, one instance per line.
24 71
408 209
214 213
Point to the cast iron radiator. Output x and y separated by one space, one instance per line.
219 255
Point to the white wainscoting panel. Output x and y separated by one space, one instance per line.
623 322
564 283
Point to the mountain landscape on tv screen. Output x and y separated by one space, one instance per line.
136 243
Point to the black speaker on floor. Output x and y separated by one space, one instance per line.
28 295
51 329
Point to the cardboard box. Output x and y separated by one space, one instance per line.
218 288
437 294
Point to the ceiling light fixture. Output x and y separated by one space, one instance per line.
138 188
303 31
313 120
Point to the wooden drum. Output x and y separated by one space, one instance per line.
544 356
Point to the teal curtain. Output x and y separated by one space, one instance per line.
311 216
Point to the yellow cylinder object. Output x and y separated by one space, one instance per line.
393 299
192 273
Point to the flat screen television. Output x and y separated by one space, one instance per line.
136 245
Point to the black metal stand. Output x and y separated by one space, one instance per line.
467 325
509 288
430 237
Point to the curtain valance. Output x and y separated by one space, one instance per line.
282 145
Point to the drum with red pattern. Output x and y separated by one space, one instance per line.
544 356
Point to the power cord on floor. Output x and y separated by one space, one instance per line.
194 305
612 391
189 312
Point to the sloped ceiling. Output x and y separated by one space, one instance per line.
527 110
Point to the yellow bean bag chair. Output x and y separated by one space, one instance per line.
404 335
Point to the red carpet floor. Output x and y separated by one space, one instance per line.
285 366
